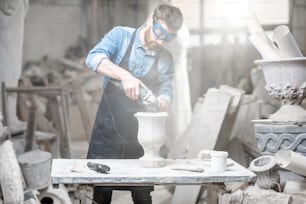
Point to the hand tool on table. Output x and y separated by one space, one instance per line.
191 169
100 168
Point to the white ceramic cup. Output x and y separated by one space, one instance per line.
218 161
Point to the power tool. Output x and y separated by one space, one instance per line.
146 96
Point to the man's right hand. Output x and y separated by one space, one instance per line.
131 86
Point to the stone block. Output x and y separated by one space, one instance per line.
271 137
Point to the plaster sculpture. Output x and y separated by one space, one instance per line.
292 161
265 50
286 81
285 77
266 171
54 195
3 130
255 27
253 194
259 38
10 174
12 15
151 135
285 42
295 186
281 46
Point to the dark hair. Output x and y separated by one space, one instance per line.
171 15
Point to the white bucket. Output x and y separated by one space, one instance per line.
36 168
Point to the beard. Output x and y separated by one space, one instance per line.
149 44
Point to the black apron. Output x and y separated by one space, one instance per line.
115 130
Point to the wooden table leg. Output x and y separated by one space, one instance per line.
82 193
212 193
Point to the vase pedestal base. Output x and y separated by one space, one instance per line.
289 113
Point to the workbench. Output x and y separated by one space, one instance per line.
129 172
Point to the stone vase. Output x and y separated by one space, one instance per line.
286 81
151 135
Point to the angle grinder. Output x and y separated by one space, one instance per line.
146 96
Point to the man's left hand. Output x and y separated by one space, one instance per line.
162 104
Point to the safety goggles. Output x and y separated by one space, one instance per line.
162 34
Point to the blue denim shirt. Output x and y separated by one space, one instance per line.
113 46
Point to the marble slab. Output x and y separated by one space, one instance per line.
131 172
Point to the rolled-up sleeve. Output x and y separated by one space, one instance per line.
106 48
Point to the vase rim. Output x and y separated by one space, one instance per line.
292 59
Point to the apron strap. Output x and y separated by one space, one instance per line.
124 63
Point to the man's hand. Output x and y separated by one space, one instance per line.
162 104
131 86
130 83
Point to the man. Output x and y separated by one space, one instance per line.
136 59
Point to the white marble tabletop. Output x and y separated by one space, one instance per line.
131 172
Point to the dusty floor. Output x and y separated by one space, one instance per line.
160 195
